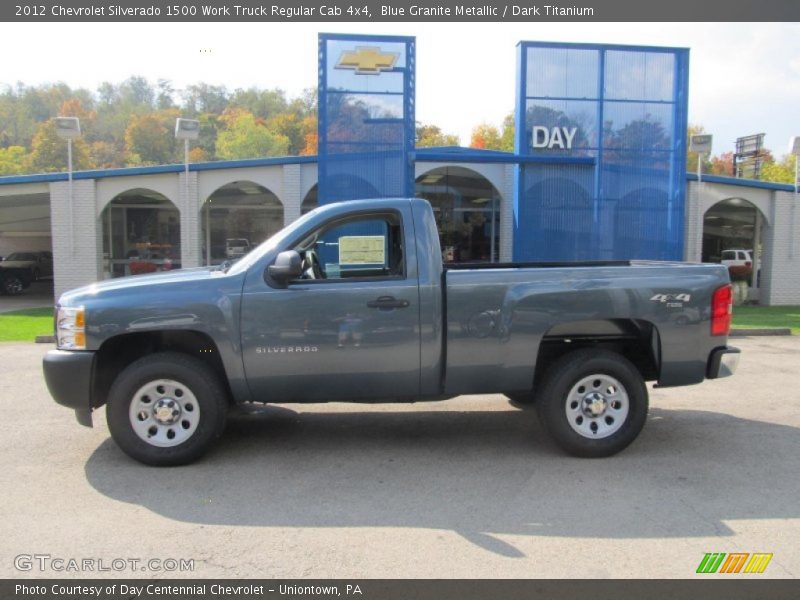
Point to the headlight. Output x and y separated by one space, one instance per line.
71 329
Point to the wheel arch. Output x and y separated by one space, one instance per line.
119 351
637 340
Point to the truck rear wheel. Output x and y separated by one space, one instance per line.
166 409
593 402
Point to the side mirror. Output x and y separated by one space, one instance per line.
286 266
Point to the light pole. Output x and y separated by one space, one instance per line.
69 128
702 145
189 129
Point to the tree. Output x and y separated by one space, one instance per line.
49 152
310 136
722 164
12 160
430 136
164 95
486 136
205 98
509 132
312 145
197 155
149 139
245 137
136 92
290 126
779 172
261 103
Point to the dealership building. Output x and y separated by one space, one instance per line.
598 173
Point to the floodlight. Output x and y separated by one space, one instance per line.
701 143
68 128
187 129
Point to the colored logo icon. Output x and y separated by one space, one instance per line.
735 562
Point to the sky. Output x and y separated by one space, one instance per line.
744 77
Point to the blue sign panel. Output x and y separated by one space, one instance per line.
366 117
601 134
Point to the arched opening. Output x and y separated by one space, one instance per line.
732 235
141 234
237 217
311 201
467 210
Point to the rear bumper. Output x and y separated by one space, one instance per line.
69 379
722 362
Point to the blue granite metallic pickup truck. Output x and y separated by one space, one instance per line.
351 302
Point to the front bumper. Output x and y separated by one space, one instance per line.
69 379
722 362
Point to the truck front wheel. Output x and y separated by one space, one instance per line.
166 409
593 402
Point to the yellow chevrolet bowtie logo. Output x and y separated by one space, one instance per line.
367 60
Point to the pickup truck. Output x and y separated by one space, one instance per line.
352 302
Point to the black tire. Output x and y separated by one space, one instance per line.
557 408
13 285
199 381
521 400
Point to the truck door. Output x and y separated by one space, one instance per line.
349 327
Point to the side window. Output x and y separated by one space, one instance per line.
366 247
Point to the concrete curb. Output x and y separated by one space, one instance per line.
45 339
765 332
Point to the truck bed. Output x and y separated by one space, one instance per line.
497 315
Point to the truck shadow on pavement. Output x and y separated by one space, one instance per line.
478 473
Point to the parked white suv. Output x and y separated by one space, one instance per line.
236 248
739 262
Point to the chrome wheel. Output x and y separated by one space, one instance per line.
597 406
164 413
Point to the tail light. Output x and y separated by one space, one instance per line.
748 264
722 310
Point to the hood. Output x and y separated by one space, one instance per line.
16 264
139 284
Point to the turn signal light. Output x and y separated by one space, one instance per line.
71 328
722 310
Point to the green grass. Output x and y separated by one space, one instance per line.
761 317
25 325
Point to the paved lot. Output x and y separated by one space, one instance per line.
40 293
465 488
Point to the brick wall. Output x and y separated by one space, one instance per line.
189 207
292 190
507 215
782 253
77 239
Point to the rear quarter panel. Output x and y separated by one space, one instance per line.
496 319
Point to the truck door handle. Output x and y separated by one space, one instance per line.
387 303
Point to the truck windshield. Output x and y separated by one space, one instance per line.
267 245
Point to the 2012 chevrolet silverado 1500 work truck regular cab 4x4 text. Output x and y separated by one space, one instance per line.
351 302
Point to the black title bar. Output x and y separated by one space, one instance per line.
409 11
742 588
